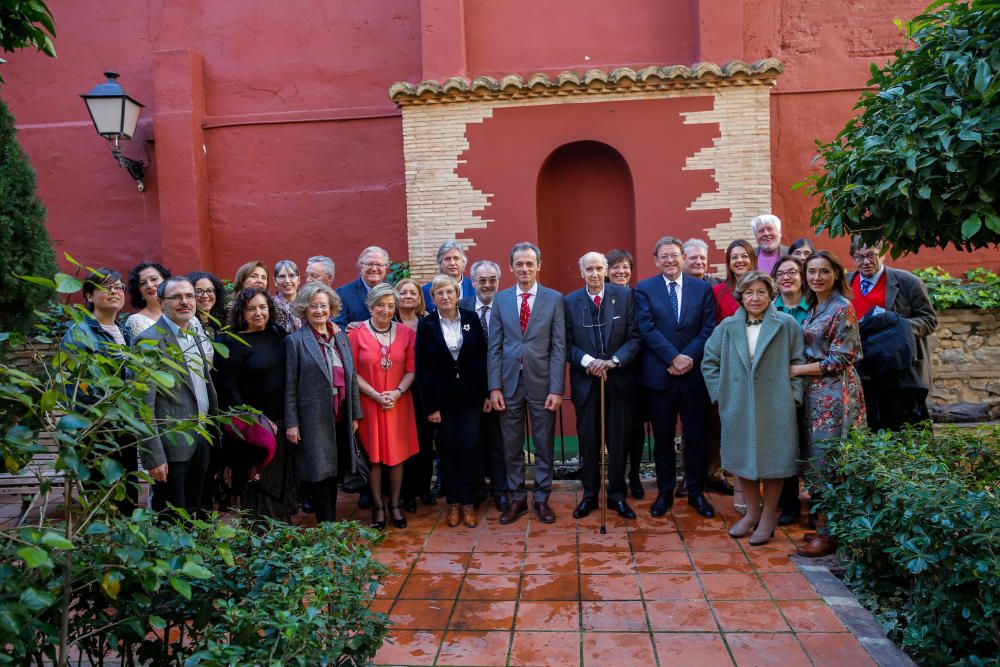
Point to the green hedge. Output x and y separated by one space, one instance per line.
918 518
979 289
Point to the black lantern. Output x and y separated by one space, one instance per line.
115 116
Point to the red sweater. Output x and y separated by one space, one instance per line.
876 297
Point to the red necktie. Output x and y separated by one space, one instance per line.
525 311
597 300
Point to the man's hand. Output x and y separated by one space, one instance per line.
434 417
292 435
552 402
682 364
496 400
159 473
599 368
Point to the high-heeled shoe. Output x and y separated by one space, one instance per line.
742 528
376 523
401 521
759 538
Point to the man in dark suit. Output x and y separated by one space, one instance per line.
451 261
527 374
676 316
767 230
177 465
486 278
601 338
373 263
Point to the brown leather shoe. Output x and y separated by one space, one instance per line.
821 545
469 517
454 516
514 511
544 512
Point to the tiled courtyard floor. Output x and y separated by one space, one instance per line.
670 591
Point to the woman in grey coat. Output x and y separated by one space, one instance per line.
746 368
322 403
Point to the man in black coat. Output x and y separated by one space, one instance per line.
602 338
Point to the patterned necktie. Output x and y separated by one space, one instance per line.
866 286
597 300
525 311
483 320
673 301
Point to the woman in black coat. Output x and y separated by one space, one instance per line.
451 376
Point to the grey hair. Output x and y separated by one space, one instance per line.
749 279
442 280
306 294
592 255
370 249
762 219
667 240
161 289
484 263
695 243
526 245
451 245
327 263
381 290
283 264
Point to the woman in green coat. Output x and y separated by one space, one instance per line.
746 369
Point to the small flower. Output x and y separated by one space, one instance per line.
466 327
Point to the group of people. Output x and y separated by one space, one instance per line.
761 367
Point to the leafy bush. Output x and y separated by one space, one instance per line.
980 290
918 518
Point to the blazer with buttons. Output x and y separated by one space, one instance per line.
443 381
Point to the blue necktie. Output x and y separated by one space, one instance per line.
866 286
672 291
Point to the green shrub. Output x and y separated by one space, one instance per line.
980 290
918 518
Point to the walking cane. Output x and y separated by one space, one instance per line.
603 495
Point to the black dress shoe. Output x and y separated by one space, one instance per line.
720 486
622 508
501 502
638 492
701 506
410 505
663 502
586 506
365 499
789 518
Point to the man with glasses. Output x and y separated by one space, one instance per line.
602 339
676 316
319 268
178 462
373 263
451 261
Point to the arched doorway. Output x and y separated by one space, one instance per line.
584 201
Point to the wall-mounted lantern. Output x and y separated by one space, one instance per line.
115 116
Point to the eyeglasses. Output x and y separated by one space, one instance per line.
179 298
869 256
790 273
374 265
317 307
486 281
117 287
673 255
208 291
286 276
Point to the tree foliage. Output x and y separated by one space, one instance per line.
26 23
919 165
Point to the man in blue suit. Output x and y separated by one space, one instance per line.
373 263
451 261
676 316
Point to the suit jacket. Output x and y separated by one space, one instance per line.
664 337
907 295
309 404
443 381
468 287
176 403
619 338
542 347
352 298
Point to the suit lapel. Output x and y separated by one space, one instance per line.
171 339
611 310
312 345
891 288
438 334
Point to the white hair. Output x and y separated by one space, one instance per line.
593 255
484 264
450 245
695 243
372 249
766 218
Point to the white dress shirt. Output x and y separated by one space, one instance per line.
586 359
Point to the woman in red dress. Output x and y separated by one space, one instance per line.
740 258
384 357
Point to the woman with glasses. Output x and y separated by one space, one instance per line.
384 357
143 280
286 281
210 295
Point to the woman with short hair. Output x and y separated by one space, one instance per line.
746 371
143 280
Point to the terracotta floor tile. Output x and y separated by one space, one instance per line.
441 563
450 541
689 648
482 615
635 648
834 649
645 522
810 616
612 523
550 615
552 542
663 561
404 541
494 564
408 647
474 649
731 586
681 616
606 562
490 587
771 559
396 561
763 650
788 586
671 587
380 606
594 541
717 540
609 587
656 541
505 543
431 586
421 614
536 528
697 522
720 561
739 616
550 587
559 562
390 586
616 616
545 649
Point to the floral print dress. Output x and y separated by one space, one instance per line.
834 402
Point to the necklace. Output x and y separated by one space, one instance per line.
385 362
754 323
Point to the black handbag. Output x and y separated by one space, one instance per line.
355 479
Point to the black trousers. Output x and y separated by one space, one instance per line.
458 440
588 428
635 433
893 407
491 452
185 481
419 468
324 499
689 401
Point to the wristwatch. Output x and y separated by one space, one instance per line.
616 362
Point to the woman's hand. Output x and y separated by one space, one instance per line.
434 417
487 406
354 425
388 399
292 435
